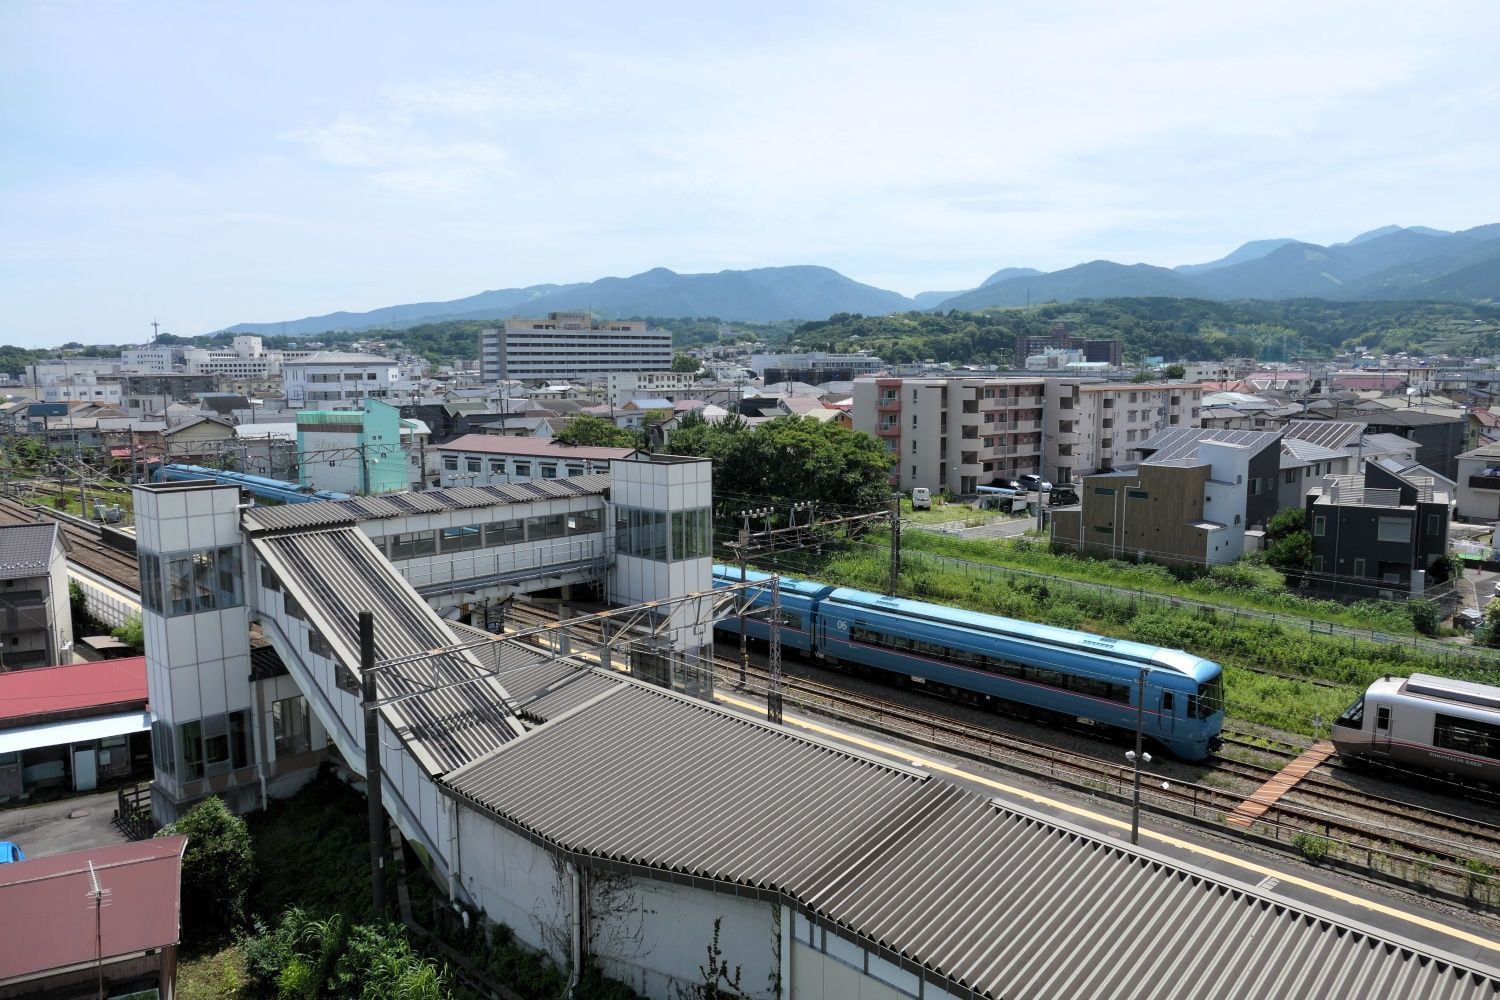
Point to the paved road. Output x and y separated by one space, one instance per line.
49 829
1000 528
1477 589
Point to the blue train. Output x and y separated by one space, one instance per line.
1058 673
263 487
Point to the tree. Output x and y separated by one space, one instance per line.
132 634
1288 542
790 458
216 867
595 432
683 362
1141 376
1176 371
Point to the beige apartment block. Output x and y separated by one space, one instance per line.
961 433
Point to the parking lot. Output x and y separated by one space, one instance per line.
75 823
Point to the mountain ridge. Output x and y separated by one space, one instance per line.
1388 263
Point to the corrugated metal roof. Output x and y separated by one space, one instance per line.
51 925
26 549
327 513
973 892
334 575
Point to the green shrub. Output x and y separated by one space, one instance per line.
217 866
1312 847
1425 615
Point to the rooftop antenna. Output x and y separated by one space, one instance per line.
98 897
155 329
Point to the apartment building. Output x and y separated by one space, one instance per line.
1379 534
331 379
1479 484
815 367
567 346
961 433
246 358
622 387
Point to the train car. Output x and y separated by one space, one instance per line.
1437 724
1067 674
799 602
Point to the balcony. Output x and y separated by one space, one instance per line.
885 405
1066 439
1484 482
889 430
1024 426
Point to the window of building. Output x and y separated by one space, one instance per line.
1104 529
471 464
1433 523
497 466
641 533
1254 486
1104 491
461 538
290 726
1359 567
411 544
1236 519
1393 529
450 463
523 468
545 526
584 521
692 534
1137 494
549 471
1291 476
1320 524
505 532
914 446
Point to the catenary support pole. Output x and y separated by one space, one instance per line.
773 655
1140 723
372 759
895 581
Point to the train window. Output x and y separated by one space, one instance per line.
1211 697
1482 739
1167 703
1383 719
1354 715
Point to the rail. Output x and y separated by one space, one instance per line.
1311 625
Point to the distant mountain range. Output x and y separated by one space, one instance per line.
1410 263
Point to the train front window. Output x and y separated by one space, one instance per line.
1211 697
1354 715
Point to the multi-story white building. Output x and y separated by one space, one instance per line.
246 358
568 346
327 379
961 433
81 389
622 387
147 359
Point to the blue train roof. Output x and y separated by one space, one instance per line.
805 588
1168 659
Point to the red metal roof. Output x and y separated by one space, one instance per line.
107 685
47 909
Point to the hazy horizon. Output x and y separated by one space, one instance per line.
206 167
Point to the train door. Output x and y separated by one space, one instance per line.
1166 717
1383 729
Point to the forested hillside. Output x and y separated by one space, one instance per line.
1190 329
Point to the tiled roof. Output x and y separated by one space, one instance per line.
26 549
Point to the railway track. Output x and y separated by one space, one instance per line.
1445 843
85 546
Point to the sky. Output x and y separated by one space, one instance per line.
210 164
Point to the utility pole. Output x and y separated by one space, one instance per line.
895 582
773 690
744 644
372 760
1138 757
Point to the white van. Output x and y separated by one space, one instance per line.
921 498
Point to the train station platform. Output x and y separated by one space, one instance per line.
1267 795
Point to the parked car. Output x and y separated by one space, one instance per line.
1468 619
1035 483
1007 484
921 498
